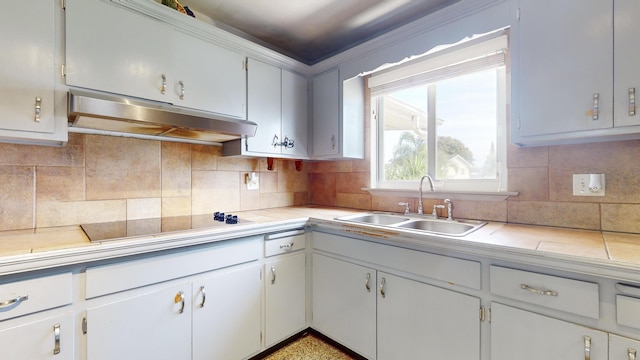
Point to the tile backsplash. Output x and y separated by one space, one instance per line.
103 178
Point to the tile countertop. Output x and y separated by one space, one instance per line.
583 245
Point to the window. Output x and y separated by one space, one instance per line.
443 114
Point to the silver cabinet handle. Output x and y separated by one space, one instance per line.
596 106
38 109
286 246
274 142
382 283
333 142
366 283
204 296
273 275
15 301
181 89
631 353
179 298
538 291
56 339
587 347
163 88
632 101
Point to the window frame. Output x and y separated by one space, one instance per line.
436 59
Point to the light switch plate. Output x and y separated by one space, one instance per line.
581 184
252 180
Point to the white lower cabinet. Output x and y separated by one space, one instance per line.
48 335
155 325
285 297
226 314
384 316
622 348
524 335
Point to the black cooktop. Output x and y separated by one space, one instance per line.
129 228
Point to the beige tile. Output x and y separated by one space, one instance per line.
530 183
176 206
62 213
249 199
363 165
16 197
264 166
571 215
144 208
323 167
355 201
390 203
344 166
268 181
301 198
323 189
70 155
352 183
215 191
481 210
594 252
527 157
237 164
204 157
621 217
176 169
59 183
272 200
623 247
121 168
291 180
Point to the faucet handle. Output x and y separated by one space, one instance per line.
406 207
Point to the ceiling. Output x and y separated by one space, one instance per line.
313 30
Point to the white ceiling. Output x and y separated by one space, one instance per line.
313 30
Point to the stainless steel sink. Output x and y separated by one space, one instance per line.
417 222
375 219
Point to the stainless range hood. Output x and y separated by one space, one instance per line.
94 112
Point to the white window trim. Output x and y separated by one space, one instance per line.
492 190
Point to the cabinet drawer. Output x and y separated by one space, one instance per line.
108 279
628 311
573 296
284 242
29 296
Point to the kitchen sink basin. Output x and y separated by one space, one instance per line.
375 219
418 223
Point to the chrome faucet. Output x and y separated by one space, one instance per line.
420 208
449 209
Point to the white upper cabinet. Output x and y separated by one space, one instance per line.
573 80
626 57
147 58
277 102
27 74
338 117
562 68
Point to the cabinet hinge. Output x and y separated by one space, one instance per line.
245 64
84 326
260 273
518 14
246 143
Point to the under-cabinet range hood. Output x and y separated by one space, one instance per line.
95 112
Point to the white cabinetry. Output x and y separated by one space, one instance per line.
28 73
389 316
566 94
285 286
45 336
338 117
520 334
277 102
146 58
621 348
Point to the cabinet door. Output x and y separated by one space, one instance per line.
226 314
38 337
627 58
155 325
213 80
294 113
119 51
344 303
561 62
264 107
285 297
420 321
524 335
621 348
27 71
326 114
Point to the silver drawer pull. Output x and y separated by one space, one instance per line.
596 107
204 296
538 291
38 110
15 301
382 291
587 347
273 275
179 298
181 89
366 283
287 246
163 87
56 339
632 101
631 353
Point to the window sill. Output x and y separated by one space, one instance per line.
454 195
